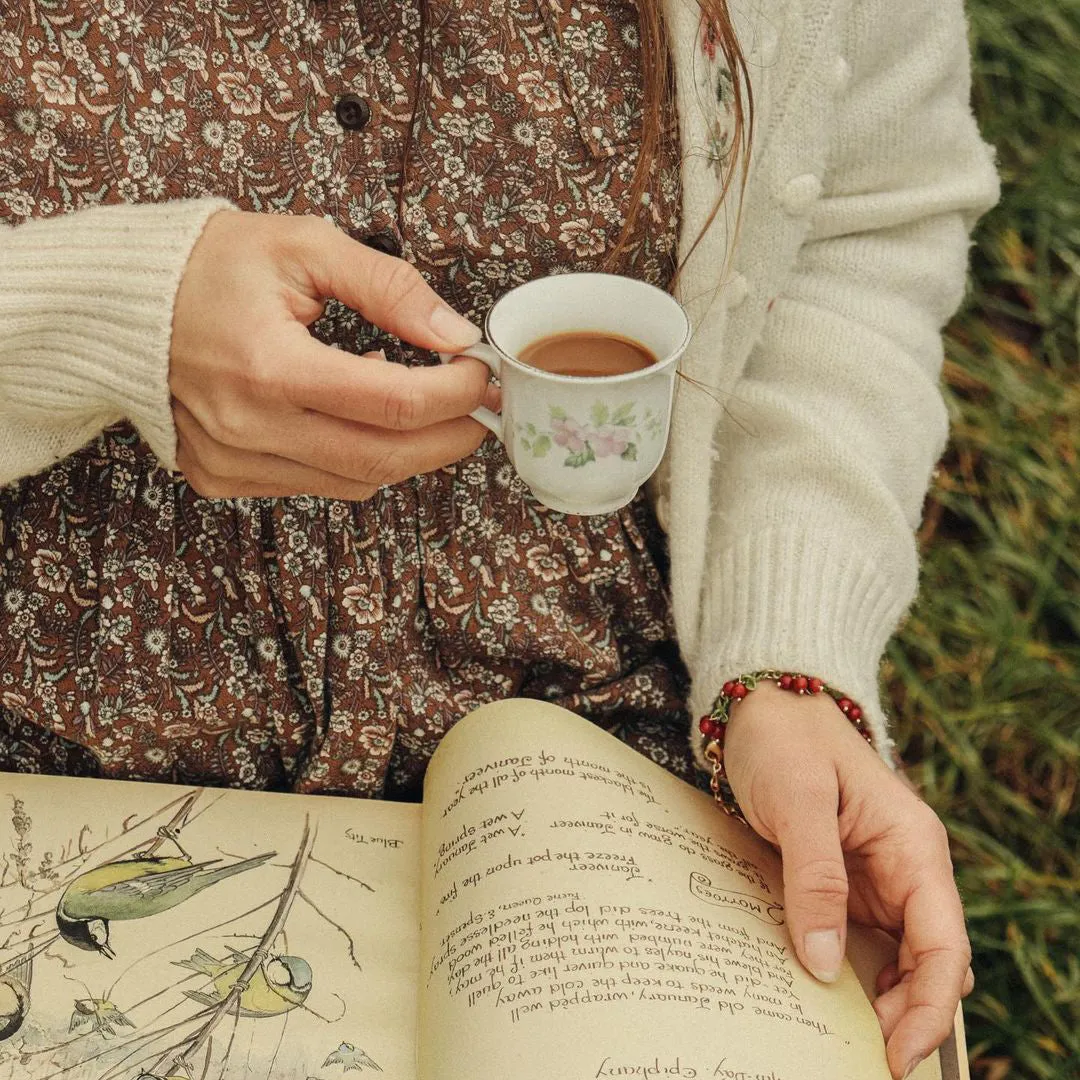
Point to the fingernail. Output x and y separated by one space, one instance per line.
823 957
913 1064
453 328
492 398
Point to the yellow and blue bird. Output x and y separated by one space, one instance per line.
279 985
135 888
15 994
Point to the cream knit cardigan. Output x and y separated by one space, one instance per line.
792 507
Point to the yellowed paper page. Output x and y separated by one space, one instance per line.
254 936
587 915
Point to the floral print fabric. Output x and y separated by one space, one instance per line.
303 643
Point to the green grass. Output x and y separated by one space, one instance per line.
986 673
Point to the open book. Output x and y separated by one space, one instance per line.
559 908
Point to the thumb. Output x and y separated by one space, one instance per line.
389 292
815 879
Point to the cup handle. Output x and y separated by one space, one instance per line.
487 355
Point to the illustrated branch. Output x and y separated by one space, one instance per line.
84 853
262 950
170 831
25 957
337 926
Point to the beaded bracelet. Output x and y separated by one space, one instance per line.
714 726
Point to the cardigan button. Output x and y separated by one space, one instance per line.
738 289
841 74
800 194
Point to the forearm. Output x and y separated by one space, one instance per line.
86 304
838 420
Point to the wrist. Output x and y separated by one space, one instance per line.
765 706
793 684
769 714
87 320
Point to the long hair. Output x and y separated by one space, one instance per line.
657 91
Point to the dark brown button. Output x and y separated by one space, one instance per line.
352 112
384 241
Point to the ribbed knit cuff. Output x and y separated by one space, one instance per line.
86 309
802 603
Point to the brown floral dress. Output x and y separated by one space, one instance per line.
302 643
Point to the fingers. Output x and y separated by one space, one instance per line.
906 963
327 457
891 1006
259 391
887 978
787 775
815 878
374 455
892 1003
223 472
890 976
936 940
387 291
369 390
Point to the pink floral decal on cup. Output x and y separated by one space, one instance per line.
607 434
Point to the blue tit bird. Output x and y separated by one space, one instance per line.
352 1058
279 985
135 888
15 995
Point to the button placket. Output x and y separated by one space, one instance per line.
799 194
738 289
363 204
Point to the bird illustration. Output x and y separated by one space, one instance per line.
15 994
99 1015
135 888
279 985
352 1058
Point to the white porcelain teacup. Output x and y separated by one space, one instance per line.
583 444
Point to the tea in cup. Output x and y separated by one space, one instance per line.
587 365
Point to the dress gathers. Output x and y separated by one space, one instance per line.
310 644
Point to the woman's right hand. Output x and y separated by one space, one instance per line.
264 409
858 843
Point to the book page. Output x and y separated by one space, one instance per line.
184 934
587 915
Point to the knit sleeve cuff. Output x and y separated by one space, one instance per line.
86 309
790 601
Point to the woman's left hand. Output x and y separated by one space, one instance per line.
856 842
